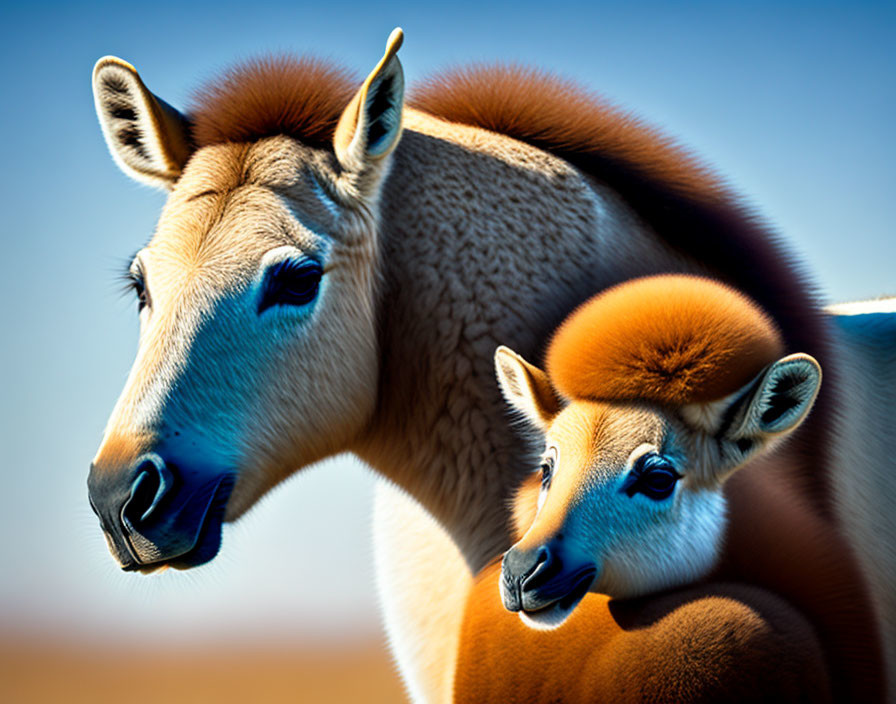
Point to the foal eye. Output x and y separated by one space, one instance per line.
290 282
547 468
653 476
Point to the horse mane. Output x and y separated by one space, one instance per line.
688 206
670 339
300 97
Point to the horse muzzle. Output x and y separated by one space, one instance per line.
544 585
155 515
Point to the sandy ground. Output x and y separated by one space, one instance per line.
42 672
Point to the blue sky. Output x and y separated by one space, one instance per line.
793 102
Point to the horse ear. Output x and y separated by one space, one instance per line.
769 408
370 126
526 387
149 139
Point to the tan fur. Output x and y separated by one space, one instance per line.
635 545
666 339
462 239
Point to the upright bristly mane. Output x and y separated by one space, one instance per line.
684 202
300 97
668 339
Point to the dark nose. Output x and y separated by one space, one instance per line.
537 578
126 502
523 571
154 514
153 480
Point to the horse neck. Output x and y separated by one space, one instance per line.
483 241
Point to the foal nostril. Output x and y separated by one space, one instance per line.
547 564
527 568
152 481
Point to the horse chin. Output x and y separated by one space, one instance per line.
208 540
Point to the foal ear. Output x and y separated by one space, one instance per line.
781 399
526 388
370 126
149 139
772 406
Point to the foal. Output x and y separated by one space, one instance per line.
667 385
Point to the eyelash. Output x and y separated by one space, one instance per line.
134 285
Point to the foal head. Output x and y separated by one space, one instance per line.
656 392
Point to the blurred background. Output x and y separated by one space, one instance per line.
795 102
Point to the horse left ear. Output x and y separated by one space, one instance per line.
370 126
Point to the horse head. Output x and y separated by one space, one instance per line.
256 294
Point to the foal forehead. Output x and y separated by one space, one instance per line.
236 201
604 435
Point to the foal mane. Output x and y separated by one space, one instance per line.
670 339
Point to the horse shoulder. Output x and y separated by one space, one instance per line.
721 643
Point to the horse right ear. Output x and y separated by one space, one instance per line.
370 126
149 139
526 388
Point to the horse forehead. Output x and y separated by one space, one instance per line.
236 201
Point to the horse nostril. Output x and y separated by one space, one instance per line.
152 481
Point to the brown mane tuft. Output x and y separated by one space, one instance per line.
301 97
540 108
668 339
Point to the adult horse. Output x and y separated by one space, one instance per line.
332 272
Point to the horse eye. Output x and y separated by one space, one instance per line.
653 476
290 282
139 287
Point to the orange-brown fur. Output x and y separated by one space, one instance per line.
687 205
264 97
667 339
606 350
717 643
